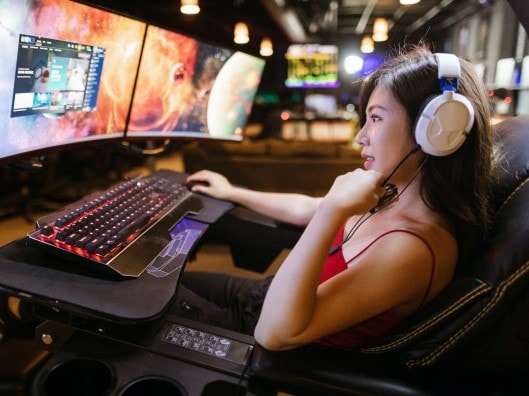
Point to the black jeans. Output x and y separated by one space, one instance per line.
226 301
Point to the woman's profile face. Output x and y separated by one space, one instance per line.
386 136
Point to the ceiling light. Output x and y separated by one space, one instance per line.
240 33
380 29
266 48
367 45
189 7
409 2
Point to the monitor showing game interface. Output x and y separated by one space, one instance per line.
190 89
312 66
67 77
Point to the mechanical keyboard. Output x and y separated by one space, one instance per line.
123 229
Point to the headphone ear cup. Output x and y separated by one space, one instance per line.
443 123
420 130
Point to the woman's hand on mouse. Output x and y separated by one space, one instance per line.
211 183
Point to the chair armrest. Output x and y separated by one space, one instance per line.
317 371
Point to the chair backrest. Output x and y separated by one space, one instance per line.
481 319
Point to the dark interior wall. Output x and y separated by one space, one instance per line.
521 9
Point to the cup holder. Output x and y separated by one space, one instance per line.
158 386
78 377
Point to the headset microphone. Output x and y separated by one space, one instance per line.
392 193
412 151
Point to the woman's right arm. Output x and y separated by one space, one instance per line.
290 208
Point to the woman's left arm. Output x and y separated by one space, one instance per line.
292 299
392 275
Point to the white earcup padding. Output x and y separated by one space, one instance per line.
444 124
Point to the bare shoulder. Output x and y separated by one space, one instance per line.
442 246
402 263
438 238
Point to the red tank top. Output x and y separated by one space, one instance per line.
374 327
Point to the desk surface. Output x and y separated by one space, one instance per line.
46 279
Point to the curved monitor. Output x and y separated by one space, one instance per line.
189 89
67 75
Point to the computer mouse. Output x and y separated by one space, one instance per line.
190 184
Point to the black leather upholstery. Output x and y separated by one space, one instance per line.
471 339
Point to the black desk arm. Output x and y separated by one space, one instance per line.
254 240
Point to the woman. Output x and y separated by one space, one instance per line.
359 269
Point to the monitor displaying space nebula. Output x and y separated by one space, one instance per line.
190 89
67 77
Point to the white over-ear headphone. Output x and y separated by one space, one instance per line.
446 119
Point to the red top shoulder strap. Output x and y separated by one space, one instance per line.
420 237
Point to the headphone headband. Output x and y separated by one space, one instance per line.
448 71
447 65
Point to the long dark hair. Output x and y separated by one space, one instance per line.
457 185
